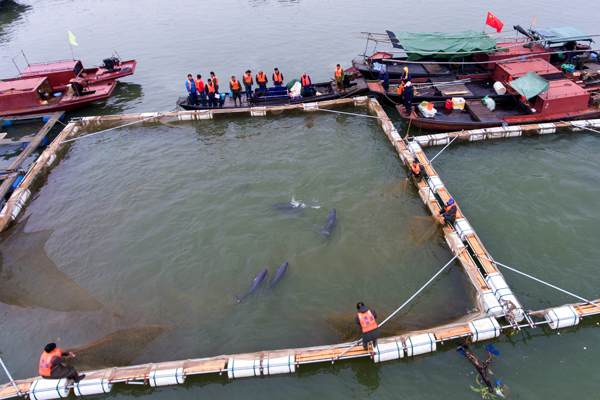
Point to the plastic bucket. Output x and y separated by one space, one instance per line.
429 106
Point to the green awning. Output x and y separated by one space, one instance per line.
562 34
530 85
441 45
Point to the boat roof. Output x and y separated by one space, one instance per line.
562 34
562 88
50 66
23 85
521 67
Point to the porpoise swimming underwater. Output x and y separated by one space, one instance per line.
279 274
330 222
262 275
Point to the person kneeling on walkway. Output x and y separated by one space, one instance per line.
417 170
52 364
449 212
366 320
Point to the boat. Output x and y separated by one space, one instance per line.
276 96
35 95
537 101
60 72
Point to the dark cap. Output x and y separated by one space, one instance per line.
50 347
359 305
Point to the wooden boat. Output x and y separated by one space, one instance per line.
563 100
60 72
22 96
280 96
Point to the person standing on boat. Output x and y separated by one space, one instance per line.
215 81
384 78
248 82
366 319
417 170
307 89
405 76
449 212
190 85
261 79
200 88
277 78
408 94
210 93
52 364
236 90
339 78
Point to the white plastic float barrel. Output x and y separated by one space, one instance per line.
186 117
454 242
422 141
388 351
463 228
562 317
476 134
395 135
578 125
439 139
544 129
92 386
491 304
262 111
503 293
17 206
495 133
513 131
242 368
594 123
435 183
279 365
414 145
45 389
484 329
166 377
420 344
499 88
51 160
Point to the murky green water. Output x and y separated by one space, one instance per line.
161 226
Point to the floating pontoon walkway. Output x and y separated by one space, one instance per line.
494 298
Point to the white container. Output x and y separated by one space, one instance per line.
458 103
476 134
51 160
427 113
395 135
513 131
484 329
435 183
186 117
18 206
504 295
422 140
92 386
594 123
440 139
262 111
463 228
239 368
578 125
499 88
44 389
279 365
544 129
420 344
562 317
491 304
455 243
166 377
415 146
426 194
388 351
495 133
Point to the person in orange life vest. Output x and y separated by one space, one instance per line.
277 78
200 88
236 90
417 170
52 364
449 212
248 82
261 79
366 319
190 85
339 78
215 81
307 89
210 93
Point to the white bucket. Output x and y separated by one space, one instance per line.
562 317
544 129
388 351
240 368
484 329
45 389
166 377
420 344
279 365
499 88
92 386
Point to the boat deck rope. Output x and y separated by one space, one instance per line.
111 129
356 115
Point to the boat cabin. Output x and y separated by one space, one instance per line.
508 70
511 51
25 93
563 96
570 44
58 73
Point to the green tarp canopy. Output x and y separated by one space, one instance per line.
530 85
558 35
419 45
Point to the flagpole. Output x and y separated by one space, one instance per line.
72 54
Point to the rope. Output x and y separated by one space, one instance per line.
445 147
539 280
590 129
347 113
110 129
407 301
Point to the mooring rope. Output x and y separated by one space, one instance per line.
407 301
347 113
445 147
111 129
539 280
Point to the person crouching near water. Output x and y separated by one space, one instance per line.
366 319
52 364
449 212
417 170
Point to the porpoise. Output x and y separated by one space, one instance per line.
329 223
262 275
280 271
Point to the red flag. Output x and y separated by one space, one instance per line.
494 22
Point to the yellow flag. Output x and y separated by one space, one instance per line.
72 39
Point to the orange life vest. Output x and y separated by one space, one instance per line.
277 77
45 359
261 77
416 169
367 321
448 208
305 80
211 87
235 84
215 80
200 85
248 78
338 71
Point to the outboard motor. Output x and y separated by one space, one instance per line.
522 31
111 63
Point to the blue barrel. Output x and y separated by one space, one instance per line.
16 183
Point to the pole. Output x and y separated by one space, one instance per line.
407 301
10 378
72 54
449 143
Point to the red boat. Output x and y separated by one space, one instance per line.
60 72
22 96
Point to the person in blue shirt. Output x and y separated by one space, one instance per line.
384 78
190 85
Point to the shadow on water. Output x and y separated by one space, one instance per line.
126 96
28 278
10 12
